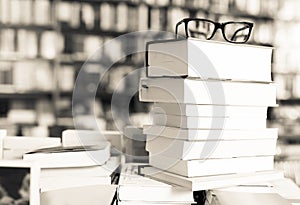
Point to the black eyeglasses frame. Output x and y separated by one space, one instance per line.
217 26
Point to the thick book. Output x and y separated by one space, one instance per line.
14 146
88 194
247 195
106 170
62 182
149 203
209 122
90 137
213 181
134 187
208 134
76 156
188 150
196 168
208 59
193 110
195 91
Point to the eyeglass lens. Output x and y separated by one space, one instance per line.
201 29
237 32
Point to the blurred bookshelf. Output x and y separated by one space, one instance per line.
43 48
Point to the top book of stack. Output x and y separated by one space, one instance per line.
208 60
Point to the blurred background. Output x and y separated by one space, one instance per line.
44 43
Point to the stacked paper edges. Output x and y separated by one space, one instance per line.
203 123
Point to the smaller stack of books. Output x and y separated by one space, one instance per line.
75 163
136 189
210 109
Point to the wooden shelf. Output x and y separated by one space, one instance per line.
129 3
291 101
17 58
37 28
84 31
25 95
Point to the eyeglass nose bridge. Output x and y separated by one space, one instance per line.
217 26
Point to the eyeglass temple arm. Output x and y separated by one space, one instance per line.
236 32
176 28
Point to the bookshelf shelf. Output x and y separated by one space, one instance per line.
36 28
290 101
20 58
26 95
84 31
114 2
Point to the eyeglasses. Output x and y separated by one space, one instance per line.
233 32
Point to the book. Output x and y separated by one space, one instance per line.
62 182
194 168
284 187
106 170
208 59
146 203
14 147
193 110
76 156
188 150
134 187
210 182
247 195
91 137
207 134
197 91
89 194
209 122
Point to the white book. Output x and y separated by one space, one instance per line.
211 182
188 150
193 110
208 134
247 195
14 147
70 157
91 137
196 168
91 195
105 170
195 91
148 203
209 59
134 187
17 142
209 122
63 182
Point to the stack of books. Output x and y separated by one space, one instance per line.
82 176
210 110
